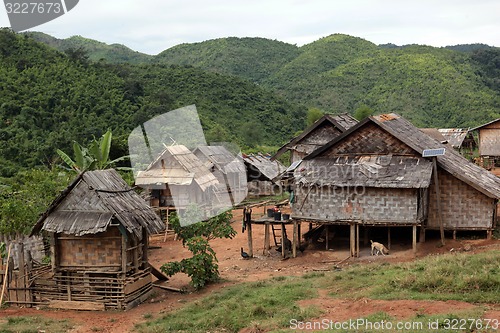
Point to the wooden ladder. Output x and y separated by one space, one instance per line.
277 235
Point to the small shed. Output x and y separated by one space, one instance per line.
489 145
318 134
261 174
229 170
98 228
178 179
374 174
460 139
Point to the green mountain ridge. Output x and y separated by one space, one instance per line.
49 99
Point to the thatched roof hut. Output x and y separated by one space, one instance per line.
98 229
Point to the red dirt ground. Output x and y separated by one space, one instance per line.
234 269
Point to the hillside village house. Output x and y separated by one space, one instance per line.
178 179
374 174
262 174
489 145
99 229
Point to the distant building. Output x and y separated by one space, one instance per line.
318 134
262 175
489 145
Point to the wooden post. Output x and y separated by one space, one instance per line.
438 199
124 254
352 239
6 276
53 257
283 244
388 238
357 240
20 293
250 240
294 240
166 226
267 241
454 234
414 242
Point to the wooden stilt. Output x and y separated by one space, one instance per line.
414 242
267 242
352 239
357 239
388 238
454 235
489 234
250 240
294 240
166 227
283 243
6 276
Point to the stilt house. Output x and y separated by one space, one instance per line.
178 179
374 175
98 230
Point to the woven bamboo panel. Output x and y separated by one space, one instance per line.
368 140
463 206
95 250
489 142
373 205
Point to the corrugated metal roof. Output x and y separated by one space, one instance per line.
385 171
181 166
484 125
92 200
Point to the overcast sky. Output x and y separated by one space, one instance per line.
151 26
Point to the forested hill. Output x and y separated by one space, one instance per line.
455 86
49 98
433 87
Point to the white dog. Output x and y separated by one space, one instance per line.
379 248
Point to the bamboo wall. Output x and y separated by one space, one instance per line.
463 207
367 205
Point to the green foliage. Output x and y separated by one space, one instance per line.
50 99
30 324
95 157
202 267
24 197
363 112
313 114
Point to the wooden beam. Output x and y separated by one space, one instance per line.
157 273
357 239
267 241
438 199
6 276
388 238
76 305
283 244
352 239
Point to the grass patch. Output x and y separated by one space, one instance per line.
270 305
264 304
464 277
34 325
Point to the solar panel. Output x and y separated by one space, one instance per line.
433 152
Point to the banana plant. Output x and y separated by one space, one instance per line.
95 157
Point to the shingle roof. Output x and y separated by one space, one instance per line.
484 125
92 200
221 158
342 122
385 171
267 169
470 173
